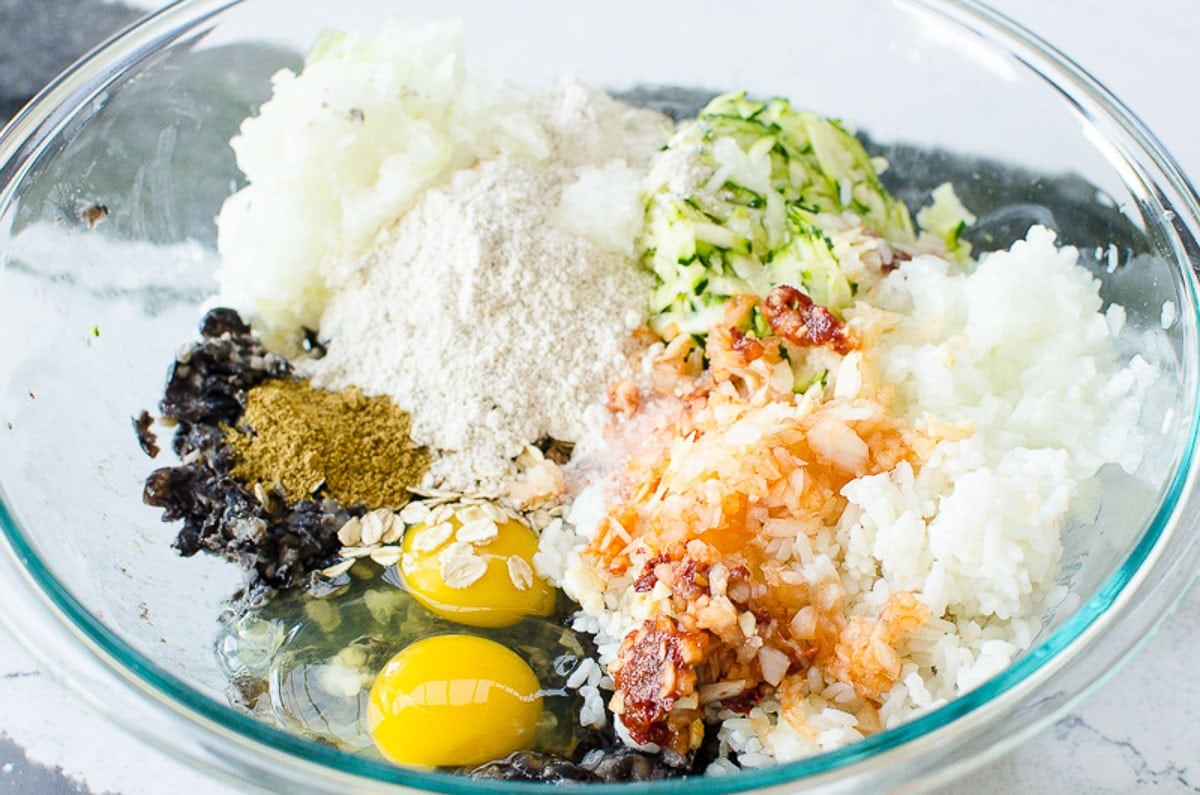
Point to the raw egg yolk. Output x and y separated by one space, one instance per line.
478 572
453 700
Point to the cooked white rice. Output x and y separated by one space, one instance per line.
1016 356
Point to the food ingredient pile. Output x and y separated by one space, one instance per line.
305 440
523 304
682 443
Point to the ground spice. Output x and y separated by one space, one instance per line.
353 448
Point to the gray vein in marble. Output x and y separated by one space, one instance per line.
20 775
1146 774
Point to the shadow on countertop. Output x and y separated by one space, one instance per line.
19 775
40 38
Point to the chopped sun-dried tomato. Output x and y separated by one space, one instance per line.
653 670
794 316
749 348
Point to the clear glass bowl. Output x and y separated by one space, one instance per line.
92 313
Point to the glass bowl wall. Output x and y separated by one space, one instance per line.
110 182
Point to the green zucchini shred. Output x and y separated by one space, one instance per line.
947 218
790 167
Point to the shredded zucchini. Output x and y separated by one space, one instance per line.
946 217
762 176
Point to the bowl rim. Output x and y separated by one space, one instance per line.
143 685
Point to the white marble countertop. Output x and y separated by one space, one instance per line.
1138 732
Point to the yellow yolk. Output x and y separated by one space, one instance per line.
453 700
478 573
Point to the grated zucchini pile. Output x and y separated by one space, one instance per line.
754 194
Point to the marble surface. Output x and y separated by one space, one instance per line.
1137 733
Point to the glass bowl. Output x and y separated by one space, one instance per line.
109 185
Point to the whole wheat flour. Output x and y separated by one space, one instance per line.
494 311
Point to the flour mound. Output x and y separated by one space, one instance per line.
484 312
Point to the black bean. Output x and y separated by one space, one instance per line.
146 438
221 321
279 544
533 766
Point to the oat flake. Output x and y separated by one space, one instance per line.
414 513
386 556
351 533
338 569
374 525
432 537
519 573
477 531
462 572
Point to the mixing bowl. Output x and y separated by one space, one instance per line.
109 185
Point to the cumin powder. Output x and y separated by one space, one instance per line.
345 445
